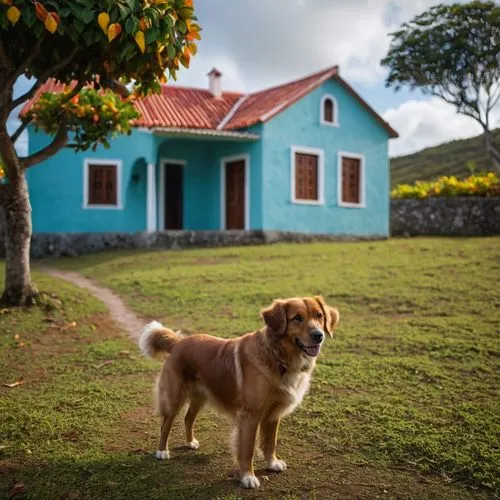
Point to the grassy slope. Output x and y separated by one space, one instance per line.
447 159
410 381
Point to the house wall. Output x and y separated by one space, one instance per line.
202 179
358 132
56 187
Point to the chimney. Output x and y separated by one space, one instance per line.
214 82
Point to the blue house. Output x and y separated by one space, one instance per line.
309 156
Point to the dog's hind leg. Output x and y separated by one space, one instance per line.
197 403
171 398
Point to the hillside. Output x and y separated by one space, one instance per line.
447 159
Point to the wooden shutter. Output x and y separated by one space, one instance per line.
103 186
328 111
351 178
306 177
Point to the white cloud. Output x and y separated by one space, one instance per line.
270 42
423 124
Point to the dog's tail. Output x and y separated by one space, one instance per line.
156 341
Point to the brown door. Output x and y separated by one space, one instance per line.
351 168
173 196
235 195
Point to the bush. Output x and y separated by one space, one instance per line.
475 185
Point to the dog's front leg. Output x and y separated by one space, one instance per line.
247 432
269 437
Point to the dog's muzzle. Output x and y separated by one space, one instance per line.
313 349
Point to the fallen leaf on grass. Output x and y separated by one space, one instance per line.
124 353
107 362
16 489
68 326
4 311
14 384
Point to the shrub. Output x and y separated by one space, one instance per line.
474 185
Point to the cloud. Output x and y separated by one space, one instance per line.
269 42
423 124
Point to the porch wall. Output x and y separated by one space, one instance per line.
202 179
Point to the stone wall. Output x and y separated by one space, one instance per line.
467 216
73 244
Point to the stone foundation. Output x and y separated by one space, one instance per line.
467 216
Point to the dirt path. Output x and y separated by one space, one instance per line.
120 313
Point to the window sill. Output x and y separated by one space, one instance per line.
346 204
102 207
307 202
330 124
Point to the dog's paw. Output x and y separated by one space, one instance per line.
194 444
250 481
162 455
276 465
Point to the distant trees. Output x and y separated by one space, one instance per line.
452 52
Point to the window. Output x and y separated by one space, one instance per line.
101 184
307 175
329 111
351 179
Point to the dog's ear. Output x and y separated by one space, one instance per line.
331 315
275 316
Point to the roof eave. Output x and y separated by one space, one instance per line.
195 133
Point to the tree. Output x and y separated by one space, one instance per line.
98 46
452 52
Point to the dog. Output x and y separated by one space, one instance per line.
257 378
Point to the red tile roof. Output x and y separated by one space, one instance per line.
183 107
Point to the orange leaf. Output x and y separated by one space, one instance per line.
144 23
40 11
103 20
52 22
13 14
140 40
193 48
113 31
188 3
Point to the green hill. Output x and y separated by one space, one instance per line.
451 158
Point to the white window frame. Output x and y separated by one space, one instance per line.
223 163
321 174
161 191
362 180
335 122
98 161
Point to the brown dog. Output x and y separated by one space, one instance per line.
257 378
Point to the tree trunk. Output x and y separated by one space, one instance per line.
492 150
19 290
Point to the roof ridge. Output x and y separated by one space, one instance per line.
232 111
297 80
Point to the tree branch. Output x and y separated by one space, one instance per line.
4 58
59 141
15 136
23 65
42 79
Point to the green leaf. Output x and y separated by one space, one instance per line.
88 37
132 25
79 26
29 17
171 51
151 35
181 26
38 29
88 16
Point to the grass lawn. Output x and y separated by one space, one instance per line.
404 402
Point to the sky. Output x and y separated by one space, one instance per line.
261 43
